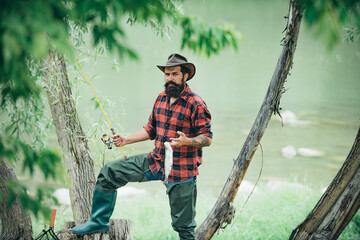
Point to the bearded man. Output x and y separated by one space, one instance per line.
179 116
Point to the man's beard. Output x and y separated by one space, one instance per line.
173 89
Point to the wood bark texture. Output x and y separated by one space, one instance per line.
338 204
15 223
223 210
79 164
120 229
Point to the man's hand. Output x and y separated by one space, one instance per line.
180 141
199 141
119 140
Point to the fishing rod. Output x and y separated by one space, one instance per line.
105 138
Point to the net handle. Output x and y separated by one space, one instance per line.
52 218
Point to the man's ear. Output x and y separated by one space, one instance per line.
186 76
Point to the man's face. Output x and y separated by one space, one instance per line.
174 74
174 81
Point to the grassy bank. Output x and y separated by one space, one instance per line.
271 213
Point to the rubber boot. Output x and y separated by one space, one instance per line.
102 208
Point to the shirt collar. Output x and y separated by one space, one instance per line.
184 95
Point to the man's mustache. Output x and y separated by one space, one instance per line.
171 82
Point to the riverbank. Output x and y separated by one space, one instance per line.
275 208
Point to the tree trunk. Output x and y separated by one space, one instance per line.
337 205
79 165
223 210
120 229
15 223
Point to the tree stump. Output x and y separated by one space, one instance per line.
120 229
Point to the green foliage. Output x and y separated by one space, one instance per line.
97 122
203 38
161 28
333 19
23 135
32 29
198 36
22 141
34 203
26 29
352 34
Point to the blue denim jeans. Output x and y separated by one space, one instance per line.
151 177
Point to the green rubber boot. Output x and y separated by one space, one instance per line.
102 208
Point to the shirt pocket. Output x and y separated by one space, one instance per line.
181 122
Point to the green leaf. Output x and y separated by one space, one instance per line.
200 37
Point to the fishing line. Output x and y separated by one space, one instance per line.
253 189
112 129
257 181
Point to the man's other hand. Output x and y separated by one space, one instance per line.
199 141
180 141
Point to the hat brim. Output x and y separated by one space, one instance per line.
189 66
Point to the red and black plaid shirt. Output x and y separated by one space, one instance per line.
188 114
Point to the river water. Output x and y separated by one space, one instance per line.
323 92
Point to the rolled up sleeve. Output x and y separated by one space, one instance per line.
201 120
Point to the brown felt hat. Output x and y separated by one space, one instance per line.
176 59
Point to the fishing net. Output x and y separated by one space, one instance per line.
49 234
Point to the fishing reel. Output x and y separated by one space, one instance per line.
107 141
